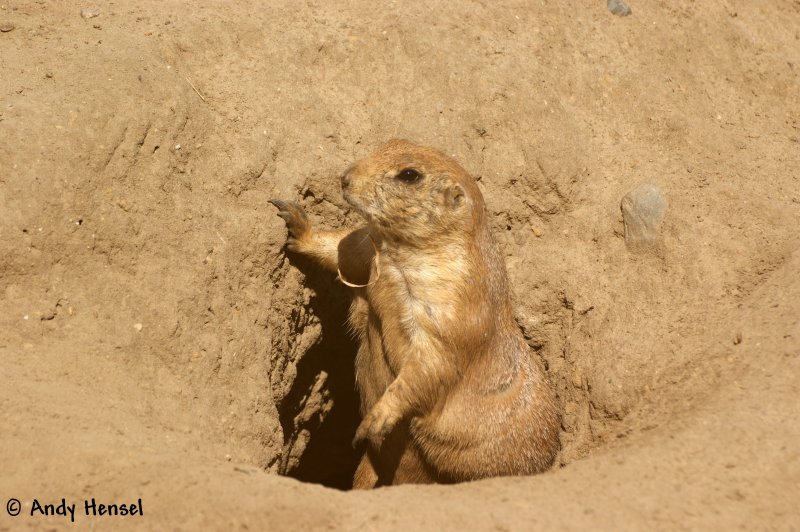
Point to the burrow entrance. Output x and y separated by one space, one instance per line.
325 387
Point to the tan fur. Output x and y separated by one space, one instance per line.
449 391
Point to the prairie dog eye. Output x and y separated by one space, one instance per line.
408 175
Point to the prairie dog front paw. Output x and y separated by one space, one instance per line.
296 222
377 425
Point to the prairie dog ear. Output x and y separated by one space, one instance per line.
455 196
356 251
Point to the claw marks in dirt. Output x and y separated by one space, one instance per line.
133 144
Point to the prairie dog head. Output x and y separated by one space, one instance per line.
412 193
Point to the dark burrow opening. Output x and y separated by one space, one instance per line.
329 458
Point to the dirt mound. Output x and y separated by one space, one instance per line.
159 344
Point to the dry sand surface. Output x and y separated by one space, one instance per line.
158 344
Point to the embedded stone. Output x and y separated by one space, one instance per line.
619 8
643 211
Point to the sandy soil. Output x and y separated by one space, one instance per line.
157 343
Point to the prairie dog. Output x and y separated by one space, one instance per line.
449 391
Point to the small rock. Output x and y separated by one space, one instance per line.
5 27
138 327
643 210
537 231
619 8
88 13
